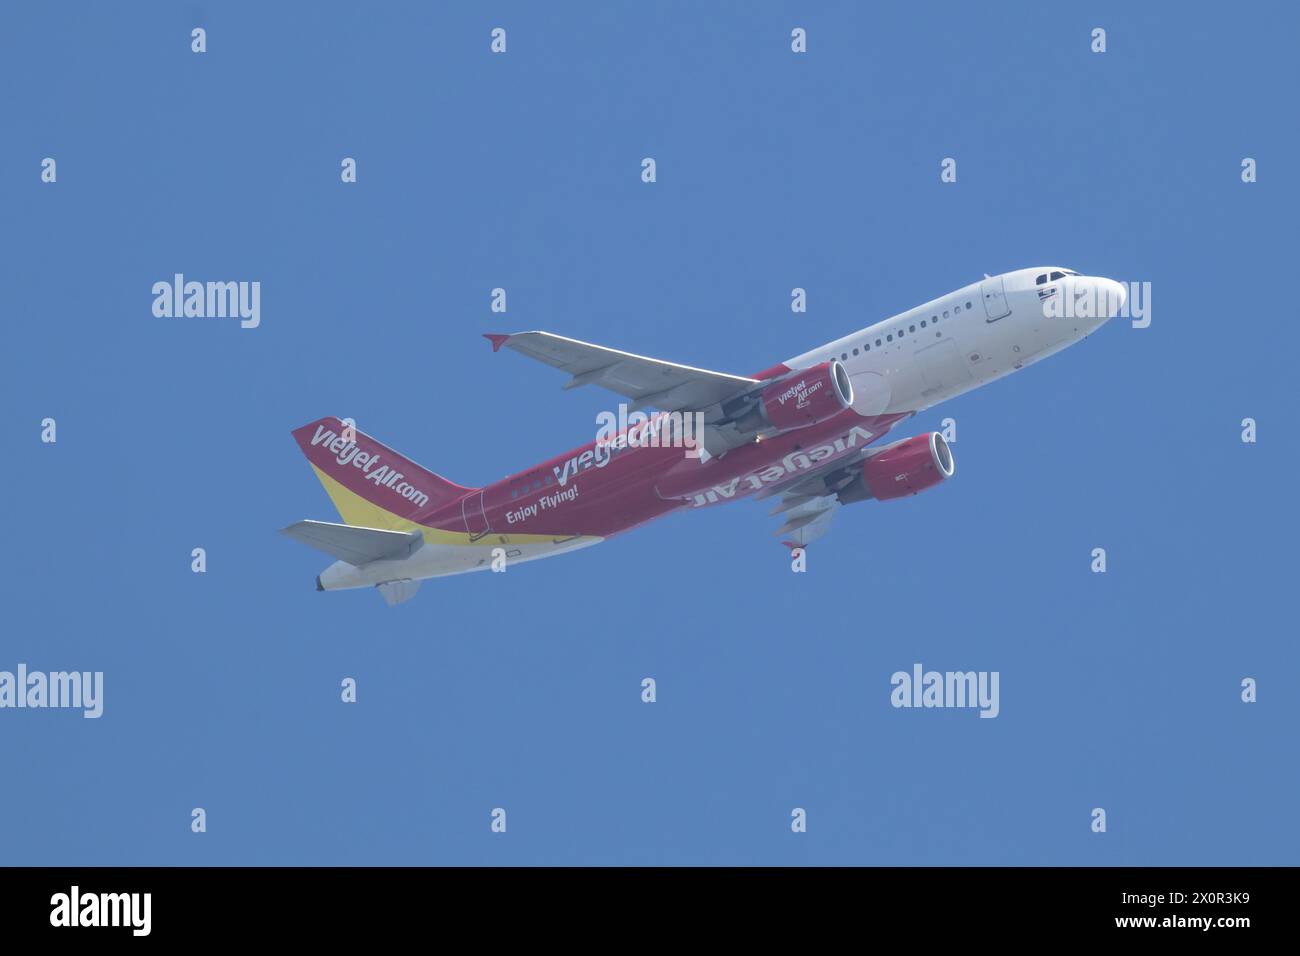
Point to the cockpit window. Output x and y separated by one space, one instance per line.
1041 279
1057 275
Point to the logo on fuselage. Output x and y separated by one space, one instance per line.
801 392
347 452
627 430
792 464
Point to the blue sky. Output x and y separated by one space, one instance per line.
522 690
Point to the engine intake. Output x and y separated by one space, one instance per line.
909 467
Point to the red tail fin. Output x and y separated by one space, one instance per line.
370 483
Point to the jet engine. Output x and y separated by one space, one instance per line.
905 468
803 398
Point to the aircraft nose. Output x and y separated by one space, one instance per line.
1111 296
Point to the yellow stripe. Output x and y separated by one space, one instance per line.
356 510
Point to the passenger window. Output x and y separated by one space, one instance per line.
911 328
855 351
843 356
889 337
537 484
923 323
867 347
968 306
877 343
934 319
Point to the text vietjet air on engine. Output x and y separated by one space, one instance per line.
807 431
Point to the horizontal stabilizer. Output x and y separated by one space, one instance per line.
395 592
356 546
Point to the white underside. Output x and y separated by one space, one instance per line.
441 560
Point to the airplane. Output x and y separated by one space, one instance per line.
805 431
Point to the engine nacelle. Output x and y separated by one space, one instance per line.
909 467
807 397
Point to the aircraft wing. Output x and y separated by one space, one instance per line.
649 382
832 476
809 501
808 519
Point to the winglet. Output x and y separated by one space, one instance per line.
496 340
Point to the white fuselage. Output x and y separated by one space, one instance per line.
967 338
